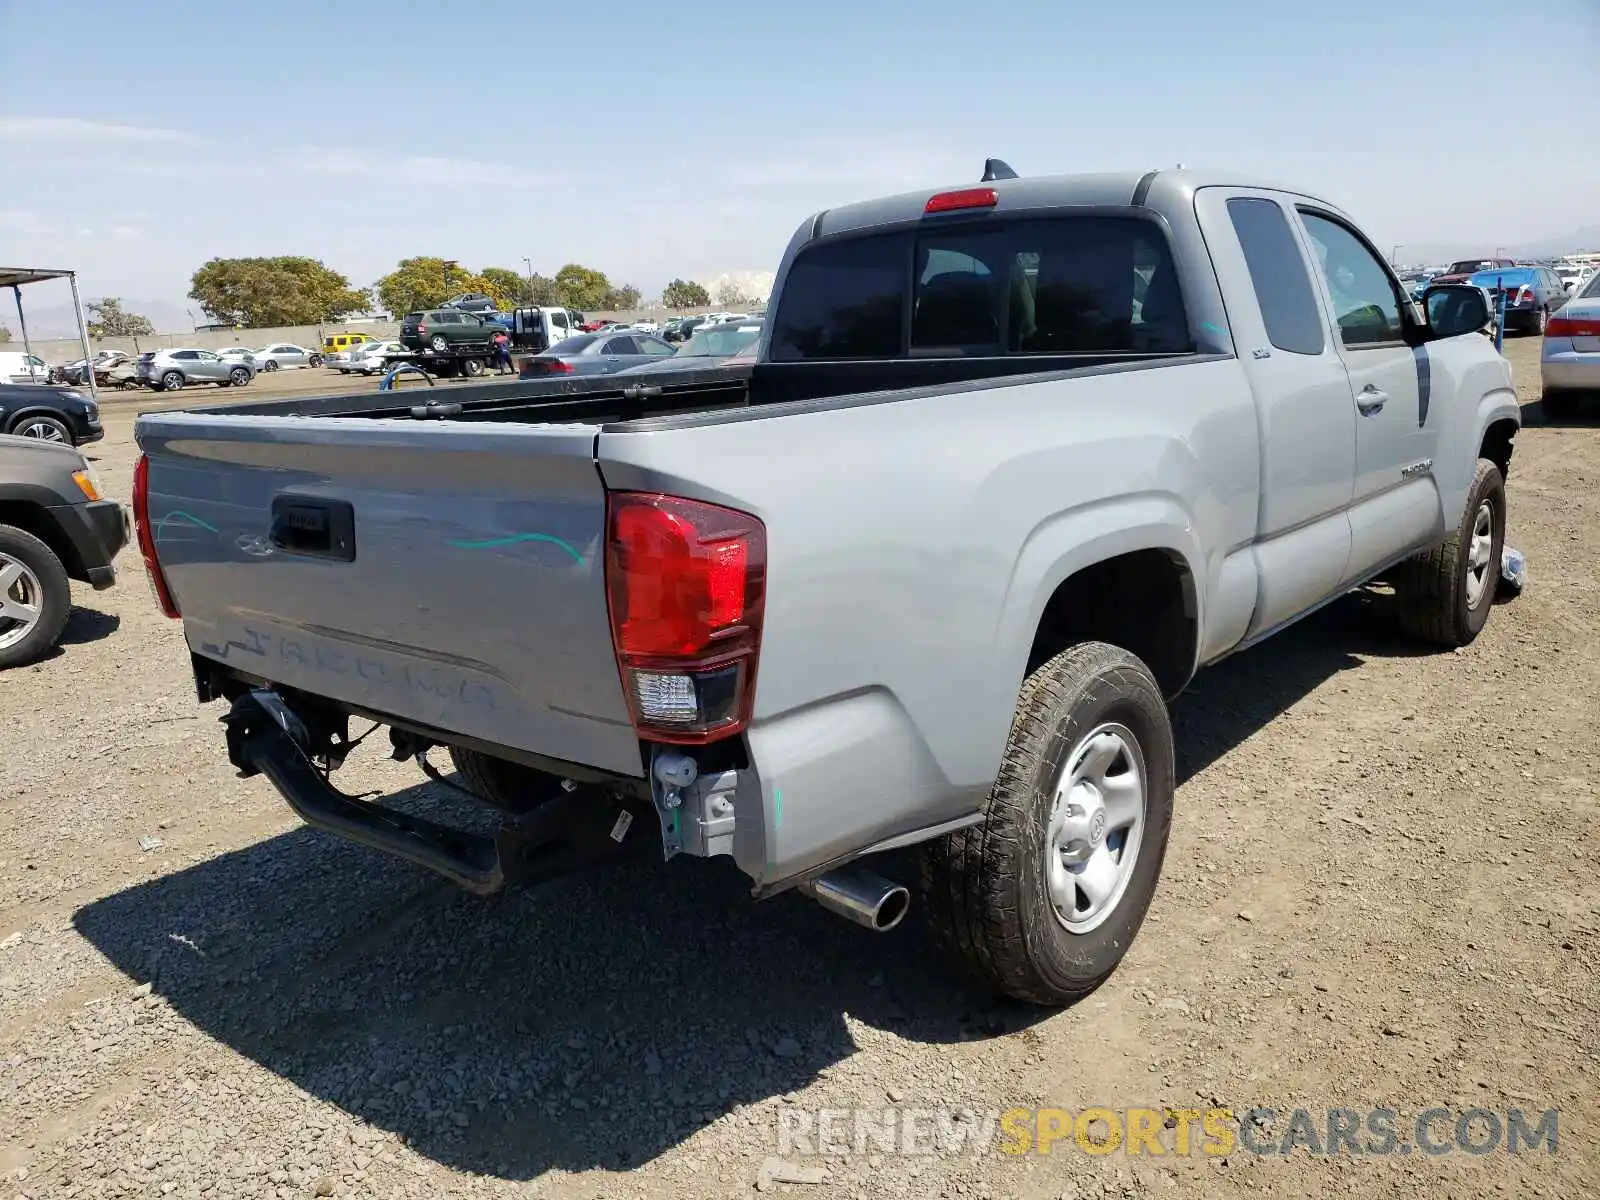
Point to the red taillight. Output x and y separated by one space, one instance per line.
686 585
422 328
1524 294
147 538
551 366
1570 327
970 198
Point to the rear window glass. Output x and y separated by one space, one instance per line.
574 345
1046 286
845 299
1511 275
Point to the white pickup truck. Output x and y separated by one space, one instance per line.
1015 461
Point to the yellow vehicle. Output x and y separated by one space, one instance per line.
336 342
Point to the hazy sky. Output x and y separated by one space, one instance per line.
653 140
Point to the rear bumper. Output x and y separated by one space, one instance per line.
266 737
1564 367
98 532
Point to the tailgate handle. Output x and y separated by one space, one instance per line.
314 528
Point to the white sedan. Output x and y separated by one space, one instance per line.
367 358
284 356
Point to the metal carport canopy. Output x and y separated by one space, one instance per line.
16 277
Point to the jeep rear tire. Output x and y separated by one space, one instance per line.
35 598
1446 593
1043 897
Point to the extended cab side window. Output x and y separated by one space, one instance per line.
1365 302
1278 273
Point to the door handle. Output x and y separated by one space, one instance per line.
1370 400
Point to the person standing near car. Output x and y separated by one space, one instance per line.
502 352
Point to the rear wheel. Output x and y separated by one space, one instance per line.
1043 897
439 343
508 786
238 377
472 367
172 381
35 598
1446 593
270 365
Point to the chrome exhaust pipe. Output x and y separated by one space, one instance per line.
860 896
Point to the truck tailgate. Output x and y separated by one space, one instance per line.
447 574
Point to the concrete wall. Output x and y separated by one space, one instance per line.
59 350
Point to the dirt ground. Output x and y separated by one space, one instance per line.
1381 892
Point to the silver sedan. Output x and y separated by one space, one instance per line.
1569 363
601 353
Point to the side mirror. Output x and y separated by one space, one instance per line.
1456 308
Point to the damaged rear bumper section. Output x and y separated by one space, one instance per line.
719 812
266 737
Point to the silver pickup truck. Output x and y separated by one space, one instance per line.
1014 462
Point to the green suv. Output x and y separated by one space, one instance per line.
442 329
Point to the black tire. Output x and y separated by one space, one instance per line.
55 596
984 889
1432 587
270 365
1558 406
1541 322
239 377
315 360
472 367
508 786
44 428
440 343
172 381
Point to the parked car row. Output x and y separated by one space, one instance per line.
623 350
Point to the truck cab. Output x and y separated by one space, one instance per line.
536 329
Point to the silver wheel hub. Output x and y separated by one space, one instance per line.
1096 827
21 601
1480 549
44 431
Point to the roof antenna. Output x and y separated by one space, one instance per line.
994 168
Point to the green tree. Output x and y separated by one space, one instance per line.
427 282
285 290
582 288
107 318
623 299
5 335
684 293
510 288
507 287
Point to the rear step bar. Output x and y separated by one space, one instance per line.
565 834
